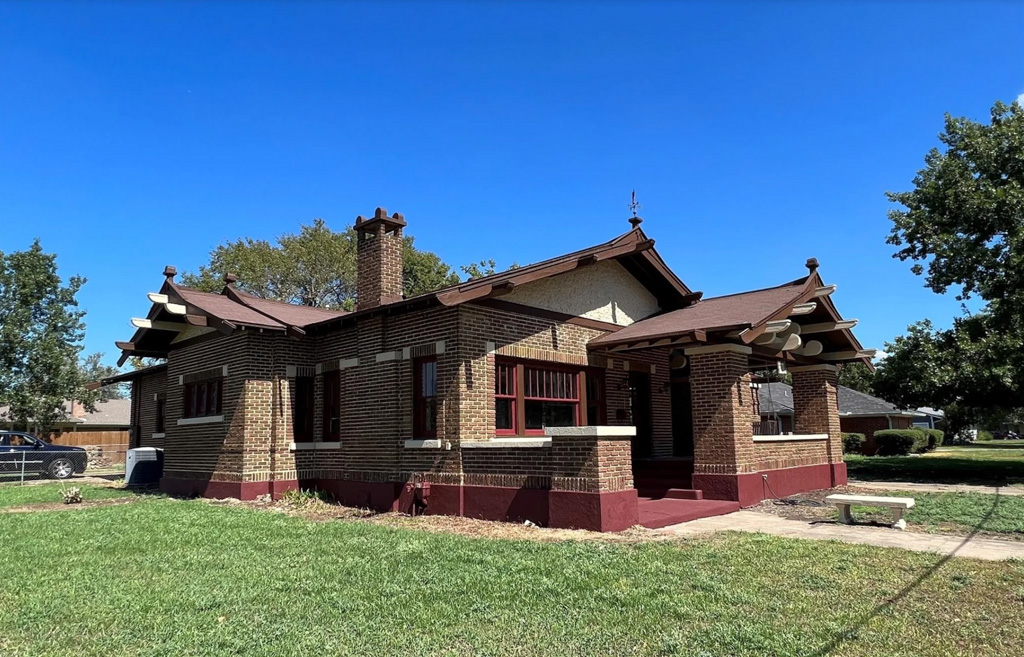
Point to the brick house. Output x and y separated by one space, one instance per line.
859 412
561 392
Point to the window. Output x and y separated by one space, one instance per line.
332 406
551 398
529 397
203 398
425 397
506 420
302 410
161 414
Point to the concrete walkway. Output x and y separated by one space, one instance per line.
938 488
752 521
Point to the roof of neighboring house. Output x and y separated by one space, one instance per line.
108 413
777 398
928 410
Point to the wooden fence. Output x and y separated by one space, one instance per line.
109 445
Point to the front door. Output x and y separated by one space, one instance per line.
682 418
640 414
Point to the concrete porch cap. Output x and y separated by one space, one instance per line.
596 431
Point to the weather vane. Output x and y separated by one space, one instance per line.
634 206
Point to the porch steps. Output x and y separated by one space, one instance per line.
656 492
662 512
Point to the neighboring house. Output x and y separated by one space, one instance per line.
858 412
928 418
514 396
107 428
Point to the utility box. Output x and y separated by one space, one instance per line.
143 466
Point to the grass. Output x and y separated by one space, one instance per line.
170 577
16 495
996 464
957 512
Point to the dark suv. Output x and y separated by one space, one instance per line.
18 449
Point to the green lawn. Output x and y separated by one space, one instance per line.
16 494
178 578
996 463
957 512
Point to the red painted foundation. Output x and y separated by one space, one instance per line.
749 489
605 512
248 490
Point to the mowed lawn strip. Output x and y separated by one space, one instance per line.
169 577
996 464
956 512
17 495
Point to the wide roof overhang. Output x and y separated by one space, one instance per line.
796 322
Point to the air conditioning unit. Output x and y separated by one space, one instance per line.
143 466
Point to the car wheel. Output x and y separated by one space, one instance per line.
61 468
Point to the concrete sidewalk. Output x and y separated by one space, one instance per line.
937 488
752 521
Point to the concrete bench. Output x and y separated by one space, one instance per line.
896 504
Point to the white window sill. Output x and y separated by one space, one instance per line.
505 443
158 435
209 419
423 443
595 431
790 437
298 447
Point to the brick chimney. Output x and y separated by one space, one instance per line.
379 259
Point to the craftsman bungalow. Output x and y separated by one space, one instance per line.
556 392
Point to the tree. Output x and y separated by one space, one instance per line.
858 377
315 267
93 369
483 268
41 331
963 226
965 215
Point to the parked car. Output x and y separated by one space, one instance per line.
1005 435
39 456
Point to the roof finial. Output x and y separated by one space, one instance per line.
634 221
811 264
170 271
229 278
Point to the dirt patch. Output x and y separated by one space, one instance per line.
60 506
324 511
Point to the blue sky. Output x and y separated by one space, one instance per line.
135 135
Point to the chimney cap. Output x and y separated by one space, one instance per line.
381 218
811 264
170 271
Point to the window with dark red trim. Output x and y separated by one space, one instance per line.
331 430
531 396
302 411
505 399
203 398
425 397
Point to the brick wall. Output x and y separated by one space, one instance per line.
869 425
816 406
790 454
722 411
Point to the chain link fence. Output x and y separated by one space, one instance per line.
21 465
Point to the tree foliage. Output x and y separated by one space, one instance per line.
858 377
314 267
483 268
93 369
963 226
41 332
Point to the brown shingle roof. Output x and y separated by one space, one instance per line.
225 308
289 314
717 313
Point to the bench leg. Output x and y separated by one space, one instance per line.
844 514
897 519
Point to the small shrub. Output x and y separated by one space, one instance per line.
71 495
853 443
303 497
935 438
984 435
900 442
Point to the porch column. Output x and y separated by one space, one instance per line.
724 463
816 411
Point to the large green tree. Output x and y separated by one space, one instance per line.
314 267
41 332
93 369
963 227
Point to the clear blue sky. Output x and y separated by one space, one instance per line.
135 135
